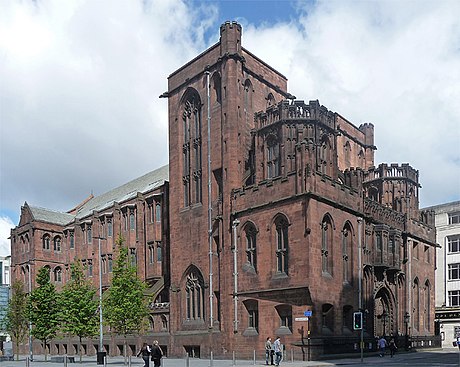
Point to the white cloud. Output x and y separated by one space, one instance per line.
79 95
5 227
395 64
79 106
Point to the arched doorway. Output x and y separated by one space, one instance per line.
384 315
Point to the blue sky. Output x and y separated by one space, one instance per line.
81 78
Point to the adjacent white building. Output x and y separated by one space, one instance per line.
447 275
5 263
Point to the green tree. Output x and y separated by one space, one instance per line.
124 304
79 306
43 309
16 323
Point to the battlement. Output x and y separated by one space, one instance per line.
229 26
353 177
287 110
392 171
230 38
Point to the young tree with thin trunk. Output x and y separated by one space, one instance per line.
79 306
124 304
16 322
43 309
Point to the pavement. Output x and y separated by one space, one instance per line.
400 359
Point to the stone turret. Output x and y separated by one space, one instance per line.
230 38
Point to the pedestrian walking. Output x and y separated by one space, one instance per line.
392 346
269 352
382 343
145 353
277 348
157 354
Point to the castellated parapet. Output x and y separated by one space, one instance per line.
230 38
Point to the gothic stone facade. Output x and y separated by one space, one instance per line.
277 224
293 187
138 211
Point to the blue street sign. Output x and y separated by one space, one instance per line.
307 313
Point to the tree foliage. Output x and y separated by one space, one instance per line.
79 306
16 322
124 304
43 309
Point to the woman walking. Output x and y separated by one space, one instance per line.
145 353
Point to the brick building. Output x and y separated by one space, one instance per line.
290 216
138 211
293 188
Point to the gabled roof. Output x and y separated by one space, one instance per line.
50 216
143 184
125 192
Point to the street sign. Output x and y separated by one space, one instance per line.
307 313
301 319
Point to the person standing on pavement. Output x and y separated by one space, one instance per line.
277 348
268 351
382 343
392 346
145 353
157 353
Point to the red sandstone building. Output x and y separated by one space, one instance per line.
279 211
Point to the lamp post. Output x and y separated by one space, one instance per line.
100 353
384 318
406 322
31 347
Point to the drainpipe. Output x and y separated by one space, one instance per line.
211 288
235 275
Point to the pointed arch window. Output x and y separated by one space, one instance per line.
285 317
325 157
71 239
347 248
347 154
58 275
326 245
194 293
282 245
57 244
427 306
270 100
252 308
151 323
247 96
416 304
217 85
327 317
273 156
46 242
251 245
191 150
89 235
132 221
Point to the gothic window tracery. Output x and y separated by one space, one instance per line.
325 156
282 245
251 245
347 246
191 150
326 245
194 291
273 156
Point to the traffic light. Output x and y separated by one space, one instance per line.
357 320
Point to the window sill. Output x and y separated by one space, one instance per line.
250 331
283 330
247 267
280 275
